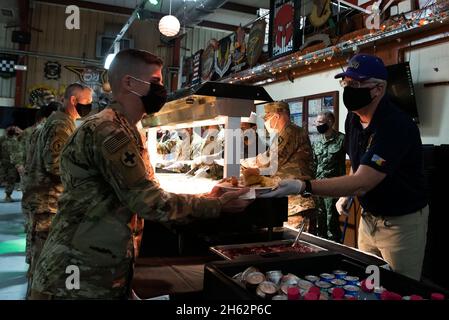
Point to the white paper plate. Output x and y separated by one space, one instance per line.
256 190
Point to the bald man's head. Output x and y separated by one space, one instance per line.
133 63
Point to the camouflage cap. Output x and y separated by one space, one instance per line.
277 106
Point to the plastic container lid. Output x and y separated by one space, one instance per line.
338 293
254 278
314 290
311 296
293 293
388 295
437 296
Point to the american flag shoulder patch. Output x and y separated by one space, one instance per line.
378 160
116 142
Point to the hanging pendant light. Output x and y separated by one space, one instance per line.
169 25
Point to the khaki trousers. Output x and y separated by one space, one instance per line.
400 241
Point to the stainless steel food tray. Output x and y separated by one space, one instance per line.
218 249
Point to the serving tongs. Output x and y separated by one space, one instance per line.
301 228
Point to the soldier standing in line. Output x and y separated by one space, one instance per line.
329 155
29 151
8 172
108 182
18 156
44 184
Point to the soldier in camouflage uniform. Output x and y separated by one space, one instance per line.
8 172
294 157
107 180
27 185
329 156
43 177
167 143
210 149
18 156
188 147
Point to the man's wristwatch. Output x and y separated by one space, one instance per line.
307 190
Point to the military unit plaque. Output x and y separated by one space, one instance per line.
256 41
207 62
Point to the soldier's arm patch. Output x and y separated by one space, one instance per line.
57 145
116 142
128 158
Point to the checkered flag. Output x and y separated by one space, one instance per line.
7 63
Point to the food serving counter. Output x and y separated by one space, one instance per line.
173 255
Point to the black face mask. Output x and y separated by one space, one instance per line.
83 109
356 98
322 128
155 99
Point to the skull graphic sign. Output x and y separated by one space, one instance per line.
284 27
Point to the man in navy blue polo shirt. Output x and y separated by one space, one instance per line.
384 146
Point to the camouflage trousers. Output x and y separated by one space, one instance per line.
38 234
8 175
301 210
28 232
328 224
308 217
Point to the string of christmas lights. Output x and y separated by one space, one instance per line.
436 13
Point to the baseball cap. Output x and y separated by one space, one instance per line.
251 119
364 66
277 106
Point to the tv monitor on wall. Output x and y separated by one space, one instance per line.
401 90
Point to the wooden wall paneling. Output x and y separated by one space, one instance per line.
64 42
99 29
56 39
204 37
52 30
36 38
7 86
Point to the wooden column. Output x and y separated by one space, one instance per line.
24 10
176 63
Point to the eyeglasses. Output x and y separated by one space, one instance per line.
359 84
267 116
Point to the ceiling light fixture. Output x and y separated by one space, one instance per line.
169 25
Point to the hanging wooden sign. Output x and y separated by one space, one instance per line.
255 43
187 72
196 75
239 49
285 34
52 70
208 61
223 57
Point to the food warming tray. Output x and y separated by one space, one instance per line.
260 249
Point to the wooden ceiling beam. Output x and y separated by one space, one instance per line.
232 6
